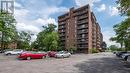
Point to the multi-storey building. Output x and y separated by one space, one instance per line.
79 29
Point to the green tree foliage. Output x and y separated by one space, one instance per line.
114 48
23 40
124 7
123 29
7 29
47 39
72 50
122 33
94 50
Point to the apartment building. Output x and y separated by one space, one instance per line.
79 29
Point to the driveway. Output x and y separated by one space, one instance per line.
78 63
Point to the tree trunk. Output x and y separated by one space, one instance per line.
2 42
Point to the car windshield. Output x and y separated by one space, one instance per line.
61 52
17 50
8 49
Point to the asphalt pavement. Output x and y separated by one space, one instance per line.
78 63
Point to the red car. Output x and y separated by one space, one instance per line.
51 53
32 55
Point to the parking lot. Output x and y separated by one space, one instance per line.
78 63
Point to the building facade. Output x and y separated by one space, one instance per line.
79 29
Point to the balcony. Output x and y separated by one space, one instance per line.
82 42
82 22
61 27
82 46
63 19
81 13
62 35
82 27
63 44
82 32
79 38
82 17
62 39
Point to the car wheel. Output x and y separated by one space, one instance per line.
8 54
43 57
28 58
47 56
125 58
128 59
62 56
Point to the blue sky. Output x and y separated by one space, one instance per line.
31 15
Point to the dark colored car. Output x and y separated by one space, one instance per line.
125 56
32 55
119 54
2 51
51 53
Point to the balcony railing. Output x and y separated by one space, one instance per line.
85 37
81 13
82 17
82 46
80 27
82 32
82 22
81 42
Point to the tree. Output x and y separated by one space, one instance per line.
47 39
7 29
104 45
122 33
51 41
118 40
123 29
114 48
124 7
23 40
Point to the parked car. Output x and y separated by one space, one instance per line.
120 53
128 58
13 52
125 56
32 55
51 53
62 54
42 52
2 51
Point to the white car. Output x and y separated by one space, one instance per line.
63 54
14 52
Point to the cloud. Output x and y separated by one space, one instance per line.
46 21
113 11
50 10
84 2
101 8
17 5
28 28
30 15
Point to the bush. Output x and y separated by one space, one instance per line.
94 50
72 50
